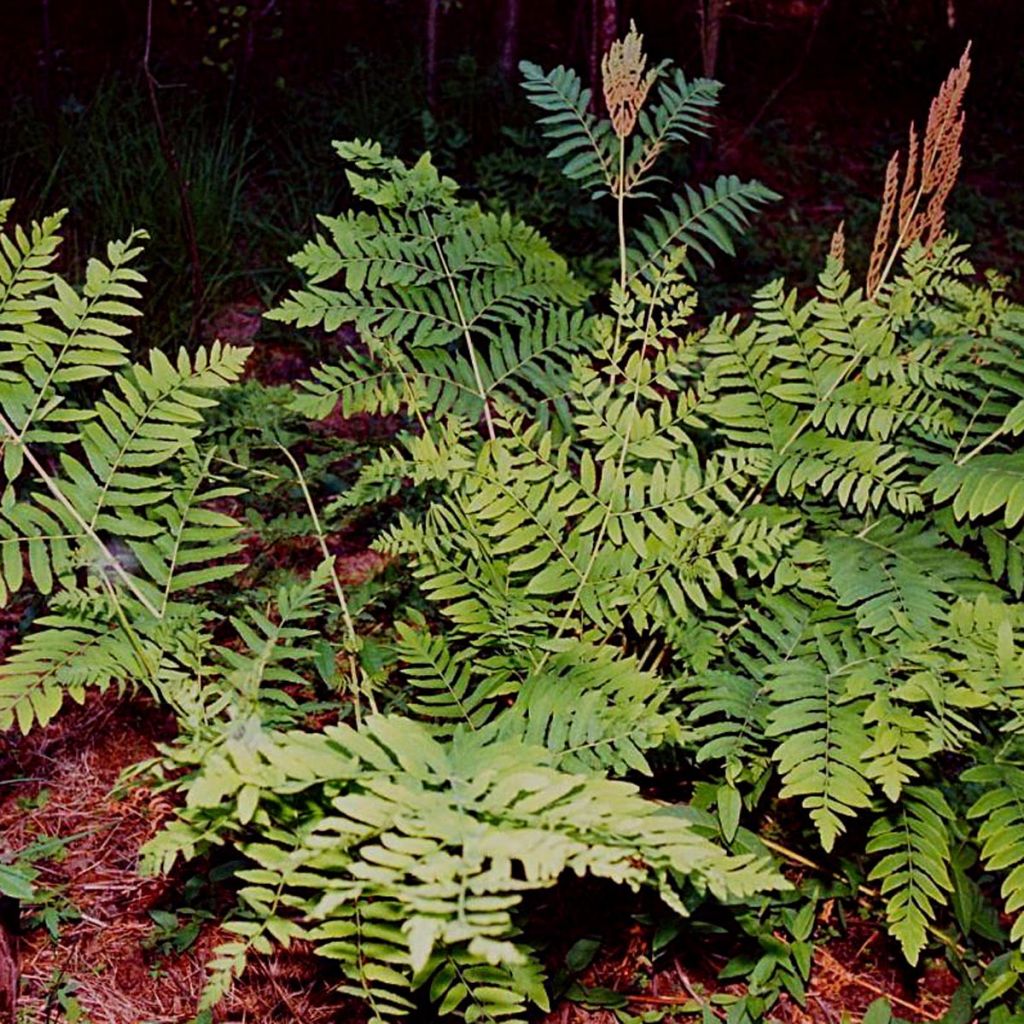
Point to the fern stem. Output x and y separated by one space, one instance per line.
133 638
627 436
350 629
981 446
970 426
119 570
620 195
470 348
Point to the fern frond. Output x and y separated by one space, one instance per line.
823 740
193 541
898 576
1000 810
584 143
593 709
427 850
121 476
67 653
986 486
914 869
700 221
681 113
424 277
65 337
445 685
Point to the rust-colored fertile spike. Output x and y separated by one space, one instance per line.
837 247
625 84
921 208
907 194
947 171
881 244
945 123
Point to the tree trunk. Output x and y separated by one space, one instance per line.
605 32
709 15
8 960
433 15
609 24
509 41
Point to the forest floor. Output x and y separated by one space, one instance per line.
111 962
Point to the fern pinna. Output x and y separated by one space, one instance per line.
781 550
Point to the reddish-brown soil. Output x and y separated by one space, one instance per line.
105 948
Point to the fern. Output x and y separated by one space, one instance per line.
779 552
898 577
119 480
67 653
583 142
822 742
428 849
1001 828
699 221
914 870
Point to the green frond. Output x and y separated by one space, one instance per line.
277 644
427 850
700 221
60 337
592 708
1000 813
584 144
194 543
986 487
821 736
445 685
117 480
898 576
66 654
424 276
914 867
681 113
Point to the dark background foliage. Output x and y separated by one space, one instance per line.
818 93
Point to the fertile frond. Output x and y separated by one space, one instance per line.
624 83
918 205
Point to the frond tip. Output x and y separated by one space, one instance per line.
625 84
837 245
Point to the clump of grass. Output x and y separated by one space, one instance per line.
102 160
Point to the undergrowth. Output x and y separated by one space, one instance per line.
781 552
